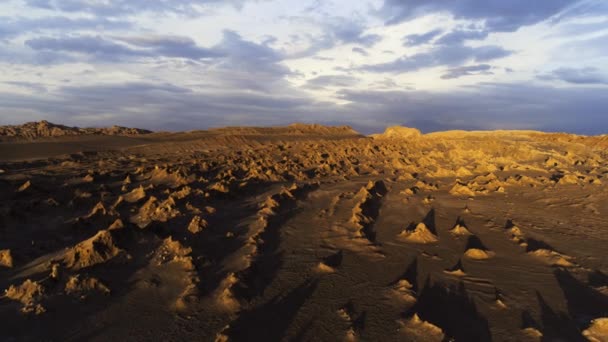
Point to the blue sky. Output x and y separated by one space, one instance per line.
194 64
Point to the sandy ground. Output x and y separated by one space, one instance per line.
312 234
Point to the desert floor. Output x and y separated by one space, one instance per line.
305 233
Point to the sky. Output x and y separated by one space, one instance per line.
195 64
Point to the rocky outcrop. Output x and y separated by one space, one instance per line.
398 132
45 129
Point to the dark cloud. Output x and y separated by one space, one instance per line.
171 46
117 8
360 51
250 65
165 106
498 15
161 107
349 31
332 81
419 39
487 106
480 69
247 52
448 55
588 75
430 125
459 36
232 50
97 47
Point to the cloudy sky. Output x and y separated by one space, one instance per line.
193 64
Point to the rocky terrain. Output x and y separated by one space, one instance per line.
45 129
304 233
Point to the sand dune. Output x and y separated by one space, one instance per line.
304 232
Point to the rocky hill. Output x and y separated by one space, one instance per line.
45 129
297 129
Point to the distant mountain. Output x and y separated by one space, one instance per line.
295 129
45 129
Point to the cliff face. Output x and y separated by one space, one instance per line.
45 129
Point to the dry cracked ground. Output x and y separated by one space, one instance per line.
305 233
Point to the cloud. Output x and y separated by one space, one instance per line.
97 47
166 106
582 9
334 31
162 106
498 15
233 63
419 39
349 31
234 52
480 69
250 65
27 85
432 125
594 47
12 27
449 55
360 51
11 55
485 106
588 75
449 50
171 46
332 81
458 36
118 8
247 52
